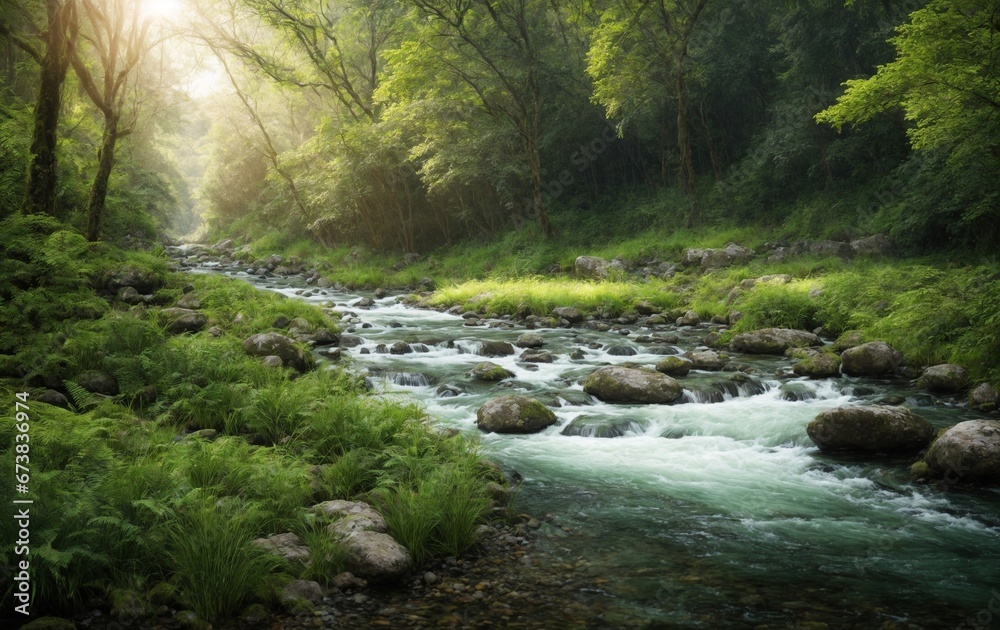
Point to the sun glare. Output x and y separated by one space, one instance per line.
163 9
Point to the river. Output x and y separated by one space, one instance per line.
714 513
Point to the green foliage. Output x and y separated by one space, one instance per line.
779 306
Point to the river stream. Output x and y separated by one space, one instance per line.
714 512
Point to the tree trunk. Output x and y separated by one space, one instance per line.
99 190
40 190
688 182
537 186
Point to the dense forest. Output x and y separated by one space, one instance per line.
255 254
409 125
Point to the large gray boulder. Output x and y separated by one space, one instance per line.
673 366
615 383
287 545
946 377
272 343
351 516
514 414
983 398
569 313
376 556
591 267
183 320
773 340
495 349
874 246
969 451
854 428
530 340
874 358
709 360
817 364
489 372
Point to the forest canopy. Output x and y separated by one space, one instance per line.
410 124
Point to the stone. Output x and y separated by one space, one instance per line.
495 349
530 340
299 326
287 545
400 347
598 427
98 383
621 351
708 360
875 246
297 590
347 580
690 318
569 313
351 516
183 320
983 398
129 295
946 377
266 344
629 385
376 556
674 366
732 254
254 615
858 429
144 282
514 414
591 267
52 397
817 364
324 337
645 307
874 358
536 356
968 452
188 300
127 607
273 361
364 303
490 372
773 340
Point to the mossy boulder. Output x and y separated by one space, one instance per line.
490 372
183 320
858 429
817 364
616 383
272 343
569 313
530 340
495 349
514 414
968 452
983 398
875 358
773 340
708 360
946 377
849 339
673 366
143 281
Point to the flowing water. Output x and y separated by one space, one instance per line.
714 512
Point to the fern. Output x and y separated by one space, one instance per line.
82 399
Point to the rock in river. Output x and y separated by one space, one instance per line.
946 377
874 358
969 451
514 414
489 371
630 385
859 429
773 340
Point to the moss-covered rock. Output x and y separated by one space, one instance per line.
773 340
630 385
495 349
183 320
946 377
673 366
983 398
848 340
490 372
272 343
817 364
859 429
514 414
875 358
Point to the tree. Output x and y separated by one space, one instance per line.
58 36
946 78
118 37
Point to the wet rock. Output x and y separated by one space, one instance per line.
255 614
621 351
495 349
281 322
674 366
298 590
272 343
351 341
655 320
859 429
129 295
490 372
848 340
874 358
98 383
536 356
400 347
708 360
645 307
347 580
183 320
983 398
447 391
127 607
364 303
570 314
52 397
530 340
817 364
514 414
287 545
590 426
968 452
381 293
629 385
324 337
773 340
946 377
376 556
689 318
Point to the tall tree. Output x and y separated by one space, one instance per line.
58 36
119 38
